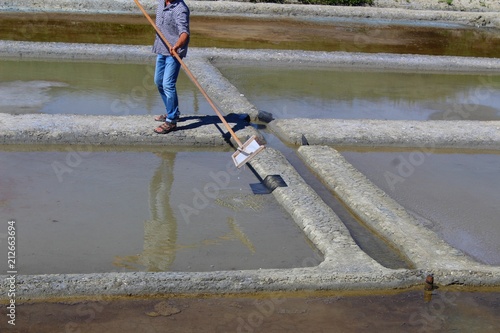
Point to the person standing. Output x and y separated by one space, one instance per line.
172 18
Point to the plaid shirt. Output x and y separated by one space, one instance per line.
172 20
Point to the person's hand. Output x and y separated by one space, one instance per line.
173 49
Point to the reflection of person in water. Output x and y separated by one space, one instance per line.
160 232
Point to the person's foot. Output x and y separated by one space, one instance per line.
161 118
165 128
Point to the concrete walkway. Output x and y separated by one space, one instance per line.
201 131
426 135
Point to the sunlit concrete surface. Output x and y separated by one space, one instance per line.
117 130
391 133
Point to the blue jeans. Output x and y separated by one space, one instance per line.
166 73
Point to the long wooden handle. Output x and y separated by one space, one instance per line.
190 75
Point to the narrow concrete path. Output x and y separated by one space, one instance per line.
426 135
192 130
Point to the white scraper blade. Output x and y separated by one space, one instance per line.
246 152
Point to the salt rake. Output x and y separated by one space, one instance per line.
245 151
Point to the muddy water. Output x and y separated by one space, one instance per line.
455 194
98 211
276 33
448 311
342 94
89 88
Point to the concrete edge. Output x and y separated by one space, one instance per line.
67 286
355 60
390 220
424 135
16 50
473 17
196 131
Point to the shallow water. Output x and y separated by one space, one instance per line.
322 312
95 211
125 89
292 33
89 88
457 195
356 94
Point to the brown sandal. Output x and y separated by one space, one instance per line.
161 118
165 128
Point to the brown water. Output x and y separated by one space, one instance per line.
278 33
457 195
356 94
448 311
103 211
